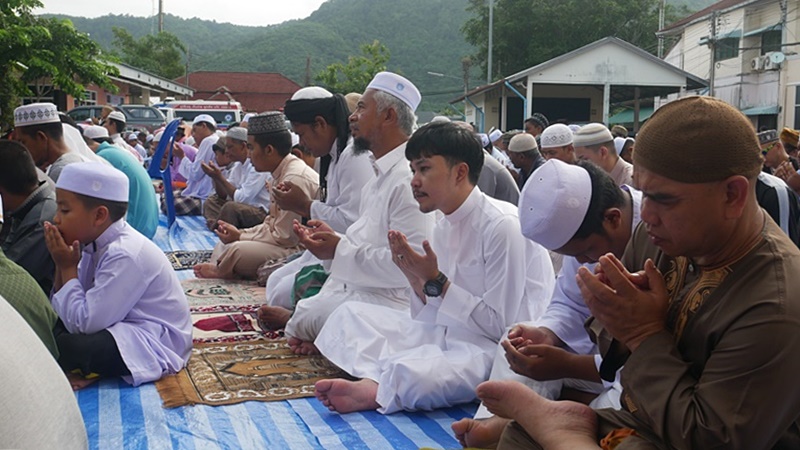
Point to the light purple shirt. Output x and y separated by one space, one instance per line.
126 285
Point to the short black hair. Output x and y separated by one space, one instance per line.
280 140
605 194
53 130
450 141
17 170
116 210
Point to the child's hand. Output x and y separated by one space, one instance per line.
65 256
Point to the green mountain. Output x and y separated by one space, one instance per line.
422 36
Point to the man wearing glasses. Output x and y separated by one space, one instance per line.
772 193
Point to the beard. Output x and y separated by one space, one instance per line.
361 145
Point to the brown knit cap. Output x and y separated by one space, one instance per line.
698 140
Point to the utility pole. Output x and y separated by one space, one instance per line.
713 47
308 71
160 16
466 64
661 12
491 31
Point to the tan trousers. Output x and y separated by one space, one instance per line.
240 215
241 259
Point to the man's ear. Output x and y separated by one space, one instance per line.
737 189
613 217
319 121
462 172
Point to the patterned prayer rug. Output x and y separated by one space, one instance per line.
228 323
186 259
229 373
215 292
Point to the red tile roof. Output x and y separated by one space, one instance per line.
256 92
719 6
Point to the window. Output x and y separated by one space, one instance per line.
89 98
726 48
797 107
771 41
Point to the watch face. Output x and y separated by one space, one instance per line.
432 289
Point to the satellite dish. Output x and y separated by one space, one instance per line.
777 57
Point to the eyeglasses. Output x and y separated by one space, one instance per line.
767 149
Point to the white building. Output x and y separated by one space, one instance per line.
579 87
747 50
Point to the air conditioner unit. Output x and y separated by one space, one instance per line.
773 60
757 64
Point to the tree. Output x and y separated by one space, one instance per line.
358 72
35 50
529 32
161 54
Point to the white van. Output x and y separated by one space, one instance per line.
224 112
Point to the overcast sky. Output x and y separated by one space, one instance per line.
239 12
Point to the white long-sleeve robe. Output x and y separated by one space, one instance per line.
362 268
437 355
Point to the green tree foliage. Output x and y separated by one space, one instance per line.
358 72
529 32
33 49
161 54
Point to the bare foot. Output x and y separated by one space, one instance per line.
274 317
78 382
206 270
479 433
345 396
553 424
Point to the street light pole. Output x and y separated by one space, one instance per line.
491 30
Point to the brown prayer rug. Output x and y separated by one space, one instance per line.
229 373
215 292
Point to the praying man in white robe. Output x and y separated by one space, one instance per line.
476 278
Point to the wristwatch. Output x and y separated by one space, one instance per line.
434 287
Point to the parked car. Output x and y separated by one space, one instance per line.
138 117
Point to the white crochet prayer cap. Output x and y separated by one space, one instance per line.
247 117
495 135
556 135
131 137
311 93
94 180
35 114
484 139
553 203
95 131
238 133
204 118
116 115
397 86
592 134
522 142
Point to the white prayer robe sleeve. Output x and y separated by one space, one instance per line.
192 170
375 267
352 172
506 263
567 311
110 299
253 190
